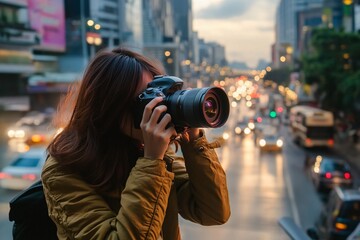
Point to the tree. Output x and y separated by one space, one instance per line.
334 64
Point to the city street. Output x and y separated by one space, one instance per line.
263 187
289 68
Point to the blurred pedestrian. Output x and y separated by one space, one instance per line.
106 179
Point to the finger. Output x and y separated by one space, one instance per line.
156 115
149 108
165 122
170 133
173 133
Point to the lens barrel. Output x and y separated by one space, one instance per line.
199 107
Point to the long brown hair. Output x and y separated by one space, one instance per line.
92 143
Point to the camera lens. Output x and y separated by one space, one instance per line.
210 107
199 107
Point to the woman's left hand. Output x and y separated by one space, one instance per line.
191 134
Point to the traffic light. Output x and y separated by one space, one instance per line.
272 114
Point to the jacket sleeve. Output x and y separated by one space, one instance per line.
201 185
81 213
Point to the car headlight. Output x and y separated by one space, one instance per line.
11 133
237 130
247 131
279 143
251 125
225 136
19 133
262 142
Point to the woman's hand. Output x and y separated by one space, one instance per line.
157 134
190 134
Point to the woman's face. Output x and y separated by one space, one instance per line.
128 128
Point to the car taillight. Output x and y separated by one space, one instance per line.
331 142
31 177
340 226
347 175
4 175
36 138
327 175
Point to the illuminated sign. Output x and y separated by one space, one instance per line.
47 17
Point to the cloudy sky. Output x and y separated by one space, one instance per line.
244 27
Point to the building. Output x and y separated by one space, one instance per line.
32 35
160 40
17 37
357 16
307 20
46 45
287 29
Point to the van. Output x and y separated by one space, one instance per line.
340 215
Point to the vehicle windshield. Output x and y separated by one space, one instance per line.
271 138
330 166
26 162
351 210
320 132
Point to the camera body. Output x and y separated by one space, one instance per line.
199 107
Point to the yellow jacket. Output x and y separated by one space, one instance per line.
148 206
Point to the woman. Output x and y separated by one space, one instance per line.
105 179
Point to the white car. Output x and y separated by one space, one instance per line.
24 170
270 143
30 124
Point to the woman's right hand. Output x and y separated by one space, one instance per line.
156 134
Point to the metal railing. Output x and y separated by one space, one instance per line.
292 229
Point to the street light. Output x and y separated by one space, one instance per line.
93 37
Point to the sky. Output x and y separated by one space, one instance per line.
246 28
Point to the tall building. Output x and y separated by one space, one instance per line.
32 36
17 37
96 24
340 14
182 12
160 39
183 25
195 48
91 25
284 32
218 54
357 16
307 20
286 28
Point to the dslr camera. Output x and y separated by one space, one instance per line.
196 108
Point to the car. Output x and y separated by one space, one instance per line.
242 128
340 216
270 142
329 171
30 125
24 170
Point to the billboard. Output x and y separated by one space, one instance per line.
47 17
